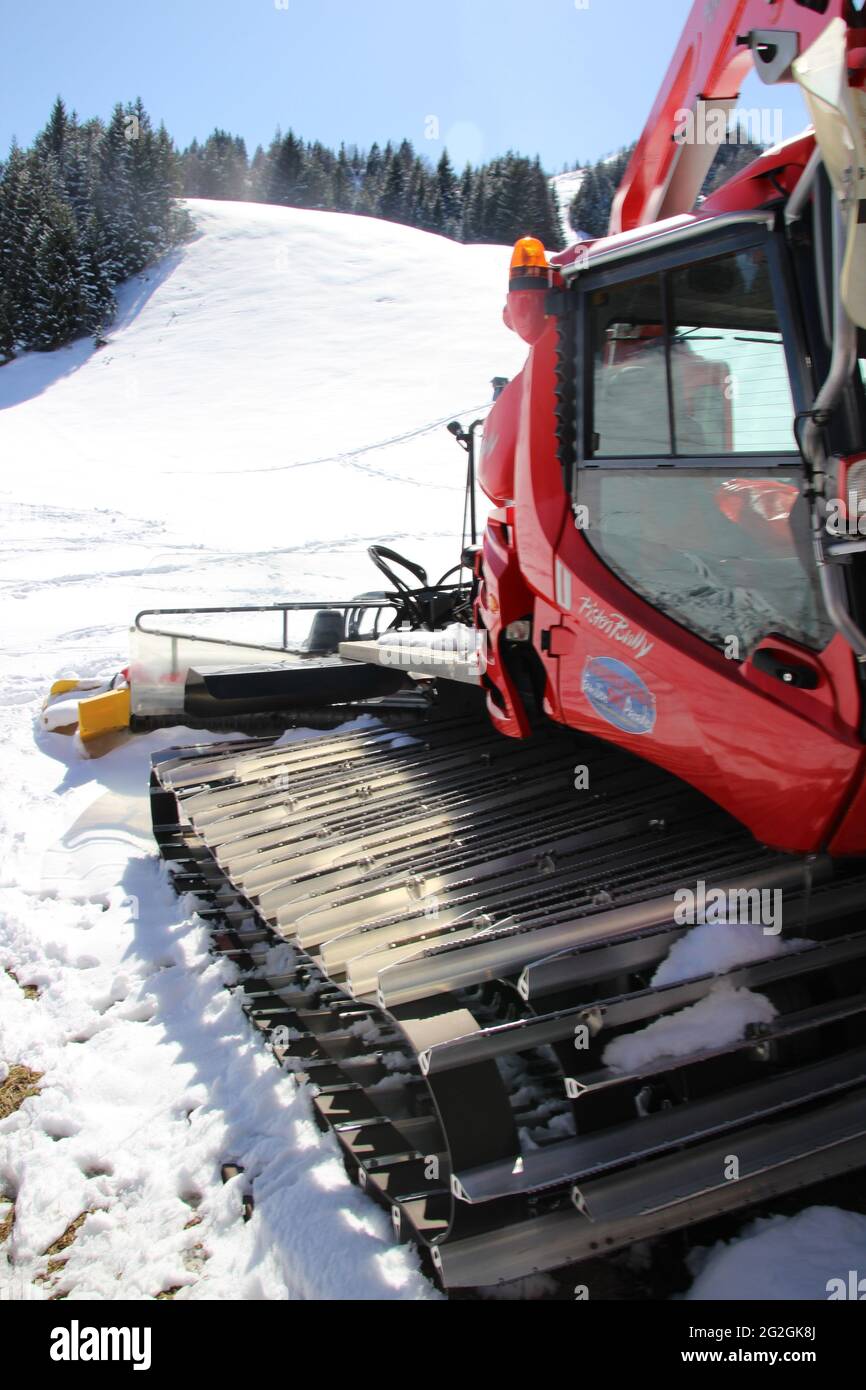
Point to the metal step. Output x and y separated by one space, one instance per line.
667 1195
574 1161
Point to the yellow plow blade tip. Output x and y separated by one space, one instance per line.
67 684
63 687
103 714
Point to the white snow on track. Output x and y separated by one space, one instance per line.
177 465
721 1018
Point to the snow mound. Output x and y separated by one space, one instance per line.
782 1257
722 1018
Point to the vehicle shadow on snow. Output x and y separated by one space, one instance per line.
33 373
125 769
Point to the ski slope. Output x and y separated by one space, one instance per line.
565 189
270 402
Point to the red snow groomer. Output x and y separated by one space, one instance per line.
684 372
491 944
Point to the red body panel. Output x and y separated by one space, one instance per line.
789 763
499 444
502 589
782 763
540 503
850 837
710 64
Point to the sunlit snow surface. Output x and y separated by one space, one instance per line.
177 465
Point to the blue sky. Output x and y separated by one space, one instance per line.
549 77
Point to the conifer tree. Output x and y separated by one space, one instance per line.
54 312
222 167
97 295
543 211
80 211
7 330
318 177
53 138
20 205
448 207
343 183
589 213
475 215
420 209
285 182
373 179
258 166
115 205
392 204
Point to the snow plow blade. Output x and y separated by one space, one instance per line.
92 707
103 714
466 978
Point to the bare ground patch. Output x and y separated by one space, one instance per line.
57 1255
20 1085
29 991
7 1219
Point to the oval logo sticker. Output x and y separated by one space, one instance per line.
618 694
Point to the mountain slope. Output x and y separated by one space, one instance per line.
276 338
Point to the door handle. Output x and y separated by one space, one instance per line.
773 662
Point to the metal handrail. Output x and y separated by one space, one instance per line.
299 606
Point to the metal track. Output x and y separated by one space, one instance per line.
462 933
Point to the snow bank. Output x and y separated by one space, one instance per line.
151 1080
784 1257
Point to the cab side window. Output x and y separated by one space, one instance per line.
631 413
691 364
731 393
689 500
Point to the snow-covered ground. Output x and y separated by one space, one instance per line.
177 465
265 409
